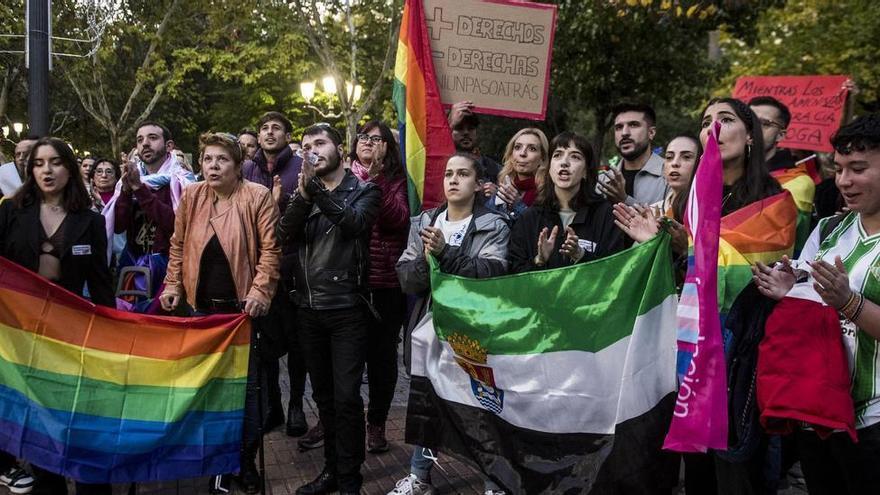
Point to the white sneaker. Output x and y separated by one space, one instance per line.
17 480
412 485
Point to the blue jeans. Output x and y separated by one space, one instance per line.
421 466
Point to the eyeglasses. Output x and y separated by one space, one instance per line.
769 123
363 138
108 171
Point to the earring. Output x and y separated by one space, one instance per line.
748 150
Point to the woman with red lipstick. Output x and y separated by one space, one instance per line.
569 222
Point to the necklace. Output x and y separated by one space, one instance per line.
53 208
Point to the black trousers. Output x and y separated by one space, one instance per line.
334 342
282 314
54 484
383 337
838 466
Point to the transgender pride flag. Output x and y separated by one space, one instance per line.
699 420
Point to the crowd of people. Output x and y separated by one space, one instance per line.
319 248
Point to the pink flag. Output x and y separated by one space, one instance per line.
699 421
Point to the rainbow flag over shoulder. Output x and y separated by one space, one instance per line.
425 137
762 231
104 396
801 181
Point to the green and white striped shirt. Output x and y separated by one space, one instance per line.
861 257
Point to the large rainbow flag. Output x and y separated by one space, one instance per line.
104 396
762 231
801 181
425 137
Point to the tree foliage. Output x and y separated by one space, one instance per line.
807 37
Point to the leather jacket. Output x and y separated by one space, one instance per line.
331 233
246 234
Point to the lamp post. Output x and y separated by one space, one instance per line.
309 89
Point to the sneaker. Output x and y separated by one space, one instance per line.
376 441
313 439
17 480
494 492
412 485
220 483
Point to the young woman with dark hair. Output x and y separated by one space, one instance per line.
52 208
569 222
468 240
376 158
741 143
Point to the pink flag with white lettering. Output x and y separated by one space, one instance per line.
699 421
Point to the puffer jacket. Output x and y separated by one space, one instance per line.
388 239
482 254
331 234
287 166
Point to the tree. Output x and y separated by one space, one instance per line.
808 37
350 53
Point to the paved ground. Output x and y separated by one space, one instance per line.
287 468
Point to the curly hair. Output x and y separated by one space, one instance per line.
862 134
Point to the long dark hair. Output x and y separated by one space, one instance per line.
74 196
393 165
546 196
679 202
756 182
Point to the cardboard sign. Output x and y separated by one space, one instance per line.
815 102
495 53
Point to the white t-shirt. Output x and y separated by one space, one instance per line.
453 232
860 254
566 216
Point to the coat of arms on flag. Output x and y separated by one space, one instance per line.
472 357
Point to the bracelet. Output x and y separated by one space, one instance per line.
849 302
538 261
861 304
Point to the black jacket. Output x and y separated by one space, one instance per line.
84 258
332 239
593 223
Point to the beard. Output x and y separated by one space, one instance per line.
637 151
333 162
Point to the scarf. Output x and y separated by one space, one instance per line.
171 173
526 186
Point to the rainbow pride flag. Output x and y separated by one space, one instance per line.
425 137
103 396
801 181
762 231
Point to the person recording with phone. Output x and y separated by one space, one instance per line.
224 258
329 220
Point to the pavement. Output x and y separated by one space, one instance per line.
287 468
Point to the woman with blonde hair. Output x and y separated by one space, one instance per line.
525 153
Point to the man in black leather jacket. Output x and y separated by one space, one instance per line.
329 220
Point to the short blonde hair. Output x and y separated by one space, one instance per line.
507 160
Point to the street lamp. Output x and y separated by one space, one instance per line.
353 91
329 84
308 90
5 130
18 126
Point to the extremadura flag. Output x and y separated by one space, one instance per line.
558 381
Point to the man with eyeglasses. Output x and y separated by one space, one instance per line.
774 117
277 167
